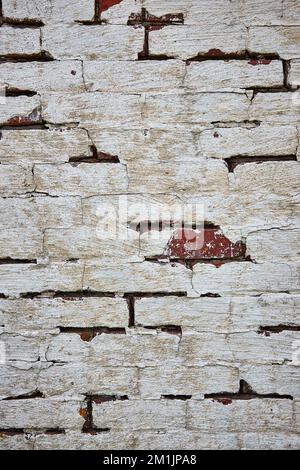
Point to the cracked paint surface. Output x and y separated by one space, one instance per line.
115 331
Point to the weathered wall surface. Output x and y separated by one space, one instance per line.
145 342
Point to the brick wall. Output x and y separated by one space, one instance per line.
181 339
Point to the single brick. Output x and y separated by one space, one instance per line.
42 76
40 212
153 145
262 245
53 11
277 378
275 108
233 75
74 310
245 278
22 278
82 180
294 73
226 314
74 42
41 413
66 379
192 40
43 146
93 110
139 414
198 110
133 77
203 177
15 180
206 415
21 243
196 381
248 347
281 40
116 350
256 141
19 42
20 111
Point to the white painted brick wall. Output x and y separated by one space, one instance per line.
114 333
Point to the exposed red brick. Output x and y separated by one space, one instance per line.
86 336
32 118
224 401
98 399
83 412
215 53
97 157
205 244
259 61
106 4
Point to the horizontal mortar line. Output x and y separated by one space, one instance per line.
88 333
26 128
177 330
228 124
95 430
71 295
176 397
142 294
16 431
164 259
29 396
236 160
156 23
22 24
83 293
14 92
245 396
103 398
266 89
9 260
97 159
279 328
170 329
38 57
245 392
217 54
87 293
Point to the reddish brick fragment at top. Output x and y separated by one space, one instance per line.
224 401
205 244
259 61
106 4
215 53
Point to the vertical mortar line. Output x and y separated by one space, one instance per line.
146 37
286 67
97 10
147 42
131 304
88 424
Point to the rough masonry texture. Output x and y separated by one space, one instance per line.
164 339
